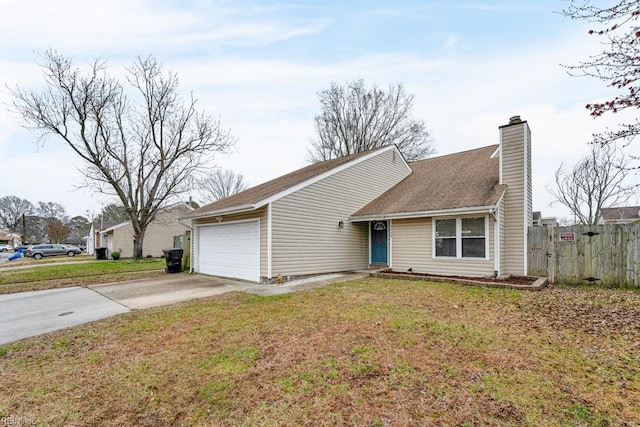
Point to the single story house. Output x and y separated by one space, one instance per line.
93 238
160 233
8 238
465 214
622 215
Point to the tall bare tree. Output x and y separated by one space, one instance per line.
78 229
52 210
617 65
596 182
53 218
56 231
221 183
355 118
12 210
33 229
113 214
137 138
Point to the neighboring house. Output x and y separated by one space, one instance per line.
159 235
624 215
93 238
540 221
8 238
465 213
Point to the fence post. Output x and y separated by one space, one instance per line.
551 253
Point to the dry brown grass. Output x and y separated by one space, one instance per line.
371 352
36 277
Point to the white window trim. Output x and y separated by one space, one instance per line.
459 238
390 243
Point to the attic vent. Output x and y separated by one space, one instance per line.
393 157
514 119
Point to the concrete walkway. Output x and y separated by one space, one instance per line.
27 314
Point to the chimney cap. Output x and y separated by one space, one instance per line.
514 119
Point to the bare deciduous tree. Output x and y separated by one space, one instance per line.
78 229
596 182
618 64
33 229
12 210
53 218
355 119
56 231
113 214
221 183
137 138
52 210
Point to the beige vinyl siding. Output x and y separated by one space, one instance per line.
306 236
122 241
412 247
516 175
257 214
159 234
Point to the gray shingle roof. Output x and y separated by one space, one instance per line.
255 195
628 212
461 180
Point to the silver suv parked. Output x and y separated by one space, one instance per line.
39 251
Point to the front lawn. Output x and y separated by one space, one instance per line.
373 352
56 275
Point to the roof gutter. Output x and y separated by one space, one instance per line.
225 211
441 212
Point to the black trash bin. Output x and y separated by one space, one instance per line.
101 253
173 258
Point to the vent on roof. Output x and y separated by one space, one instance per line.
514 119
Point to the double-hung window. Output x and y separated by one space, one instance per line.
446 240
461 237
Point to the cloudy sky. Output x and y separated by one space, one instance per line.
258 66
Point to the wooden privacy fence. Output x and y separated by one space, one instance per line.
608 255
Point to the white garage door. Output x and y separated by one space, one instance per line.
230 250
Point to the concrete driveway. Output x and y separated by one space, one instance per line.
168 289
27 314
173 288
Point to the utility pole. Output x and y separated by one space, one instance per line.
24 230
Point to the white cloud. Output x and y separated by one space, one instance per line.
268 101
120 26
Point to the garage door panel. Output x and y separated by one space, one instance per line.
230 250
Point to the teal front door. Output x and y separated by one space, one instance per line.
379 242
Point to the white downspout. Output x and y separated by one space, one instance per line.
496 240
269 241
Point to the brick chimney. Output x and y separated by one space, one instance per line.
515 172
